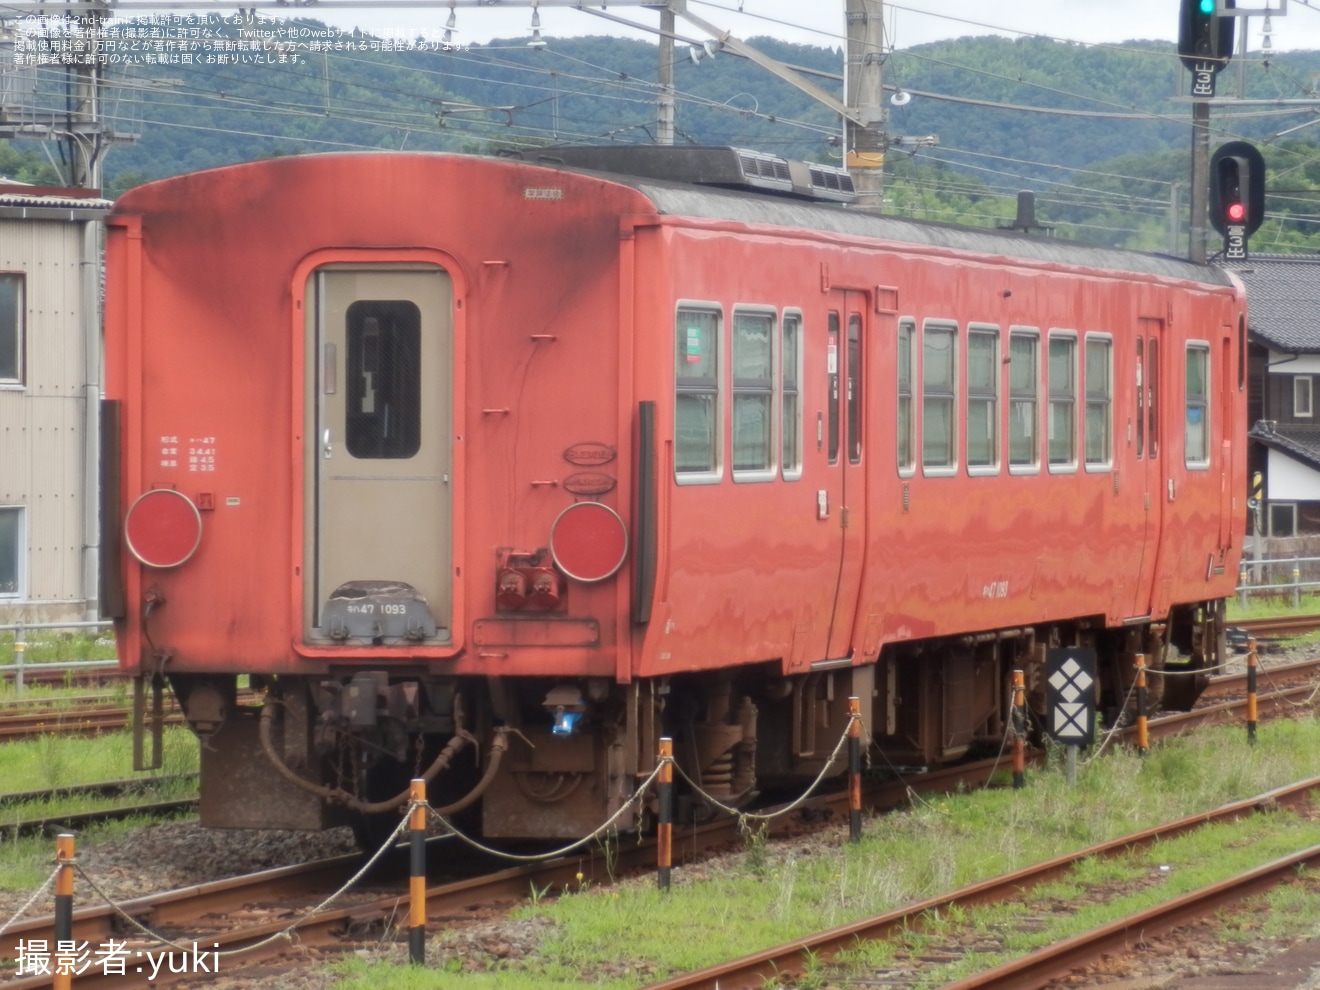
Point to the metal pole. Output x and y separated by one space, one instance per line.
1019 730
20 648
855 769
417 877
1070 764
664 833
1143 733
1196 250
64 849
1251 690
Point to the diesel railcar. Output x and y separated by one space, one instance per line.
497 470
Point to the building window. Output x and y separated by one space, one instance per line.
938 385
1302 397
696 392
1023 397
11 329
1098 425
11 551
982 397
791 414
906 425
1197 447
1062 379
753 392
1283 519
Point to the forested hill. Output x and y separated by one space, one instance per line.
1098 132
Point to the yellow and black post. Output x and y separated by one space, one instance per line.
855 769
1019 730
63 905
664 833
417 875
1251 690
1143 731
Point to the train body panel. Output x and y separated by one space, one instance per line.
478 450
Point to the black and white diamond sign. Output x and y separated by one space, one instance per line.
1070 695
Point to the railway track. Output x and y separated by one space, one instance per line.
792 961
1283 625
89 721
242 911
13 820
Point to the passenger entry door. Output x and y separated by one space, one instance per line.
1149 453
846 328
380 439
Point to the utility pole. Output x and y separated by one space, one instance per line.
664 133
865 132
1200 195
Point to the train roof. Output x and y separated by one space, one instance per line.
720 183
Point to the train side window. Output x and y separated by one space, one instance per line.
939 379
832 373
752 361
1152 398
906 424
384 408
854 388
1197 447
1061 375
696 394
1141 397
1023 401
790 350
1098 425
12 310
982 400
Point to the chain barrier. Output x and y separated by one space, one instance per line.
1114 729
636 798
749 816
31 900
286 934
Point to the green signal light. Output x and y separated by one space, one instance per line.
1207 6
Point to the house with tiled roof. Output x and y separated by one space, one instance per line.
1283 320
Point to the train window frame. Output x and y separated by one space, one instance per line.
754 387
712 386
854 376
13 331
1061 395
1197 405
1303 397
1018 396
383 377
907 468
939 393
791 356
983 395
1095 397
13 541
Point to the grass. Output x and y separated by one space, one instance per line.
57 761
48 646
631 934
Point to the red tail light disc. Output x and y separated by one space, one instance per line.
162 528
589 541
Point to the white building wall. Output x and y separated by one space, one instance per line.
42 453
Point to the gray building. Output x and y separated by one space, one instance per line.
50 383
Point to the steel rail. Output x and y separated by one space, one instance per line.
791 960
596 866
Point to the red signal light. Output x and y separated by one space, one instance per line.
1236 212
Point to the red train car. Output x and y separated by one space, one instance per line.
498 471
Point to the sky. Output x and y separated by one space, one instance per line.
820 22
